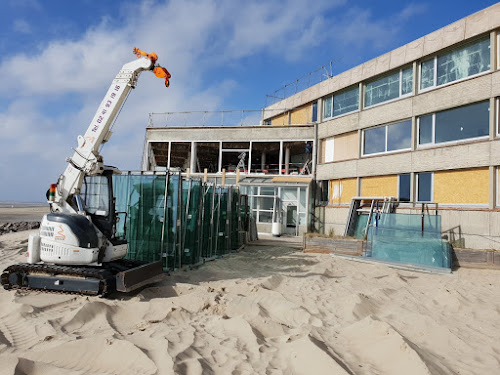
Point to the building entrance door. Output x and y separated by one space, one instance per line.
291 218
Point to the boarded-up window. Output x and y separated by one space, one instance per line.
346 146
341 191
466 186
341 147
280 119
379 186
301 116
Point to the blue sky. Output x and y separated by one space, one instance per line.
59 57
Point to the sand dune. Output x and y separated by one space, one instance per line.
265 310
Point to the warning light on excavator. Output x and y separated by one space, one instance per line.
52 192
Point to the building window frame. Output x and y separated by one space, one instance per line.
332 103
417 187
386 126
400 94
498 51
433 143
399 187
497 116
435 66
330 141
314 112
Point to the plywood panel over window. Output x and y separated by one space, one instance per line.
470 186
346 146
342 191
379 186
280 119
301 116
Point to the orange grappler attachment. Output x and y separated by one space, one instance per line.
159 71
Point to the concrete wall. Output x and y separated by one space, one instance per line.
231 134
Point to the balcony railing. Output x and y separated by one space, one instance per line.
310 79
211 118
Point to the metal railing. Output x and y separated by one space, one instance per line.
310 79
211 118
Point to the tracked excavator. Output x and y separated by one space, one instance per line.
77 249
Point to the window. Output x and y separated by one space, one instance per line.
424 187
329 147
95 195
461 63
314 116
262 205
327 107
389 87
342 103
322 192
404 187
387 138
467 122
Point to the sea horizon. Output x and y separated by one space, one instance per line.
19 204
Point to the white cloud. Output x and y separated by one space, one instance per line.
28 4
21 26
359 28
412 10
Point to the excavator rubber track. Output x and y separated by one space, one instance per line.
82 280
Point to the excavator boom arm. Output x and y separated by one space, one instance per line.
86 159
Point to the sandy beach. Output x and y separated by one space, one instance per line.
268 309
18 213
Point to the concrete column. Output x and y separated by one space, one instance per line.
148 160
416 78
493 188
320 110
358 186
361 96
493 51
146 156
315 151
220 156
414 134
360 143
287 160
249 161
263 161
280 162
194 156
169 153
413 187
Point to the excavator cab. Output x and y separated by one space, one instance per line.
99 203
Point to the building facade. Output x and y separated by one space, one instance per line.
419 123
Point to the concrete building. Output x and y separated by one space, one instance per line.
274 162
419 123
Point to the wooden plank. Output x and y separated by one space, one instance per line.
330 245
476 258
